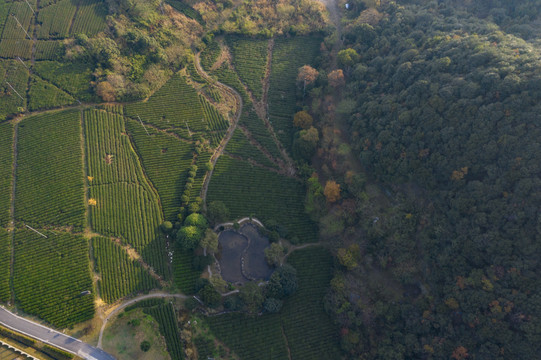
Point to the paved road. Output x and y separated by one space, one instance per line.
51 337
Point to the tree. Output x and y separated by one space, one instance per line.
283 282
210 241
274 254
303 120
252 295
167 227
106 91
332 191
189 237
197 220
272 305
305 143
217 212
306 76
336 78
209 296
145 345
348 57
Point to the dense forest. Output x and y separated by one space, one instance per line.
437 233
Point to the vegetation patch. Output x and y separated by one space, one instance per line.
119 274
51 276
122 337
6 162
50 171
238 185
124 204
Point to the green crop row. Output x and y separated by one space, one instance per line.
215 119
6 161
288 56
49 50
44 95
50 171
13 72
122 202
119 275
239 145
167 319
309 331
259 131
55 20
184 275
174 105
250 337
210 54
165 160
72 77
5 265
51 276
13 48
250 190
250 61
90 18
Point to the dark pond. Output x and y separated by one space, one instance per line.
247 242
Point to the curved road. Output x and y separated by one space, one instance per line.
51 337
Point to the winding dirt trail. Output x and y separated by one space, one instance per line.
229 134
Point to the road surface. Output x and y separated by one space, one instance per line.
51 337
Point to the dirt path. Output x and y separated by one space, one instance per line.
232 126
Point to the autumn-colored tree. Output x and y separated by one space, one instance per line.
336 78
307 75
303 120
106 91
332 191
460 353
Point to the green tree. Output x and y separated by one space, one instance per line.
210 241
305 143
348 57
209 296
189 237
197 220
217 212
145 345
274 254
252 296
303 120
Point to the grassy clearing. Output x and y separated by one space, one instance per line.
122 338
